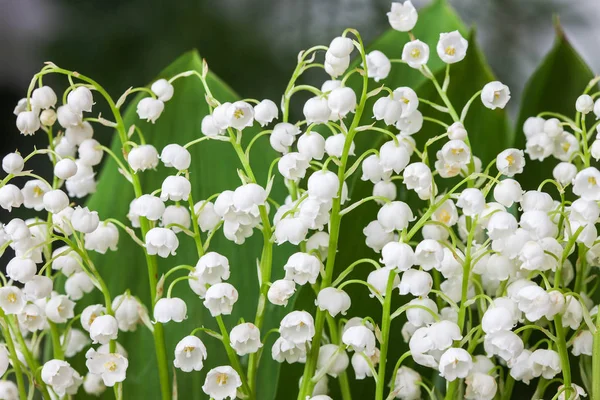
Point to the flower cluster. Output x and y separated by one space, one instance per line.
495 283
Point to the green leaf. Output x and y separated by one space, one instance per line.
488 132
213 170
554 86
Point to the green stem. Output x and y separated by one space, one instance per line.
233 359
16 364
334 232
385 336
343 377
561 344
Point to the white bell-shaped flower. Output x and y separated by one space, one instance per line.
150 109
378 279
161 241
471 201
403 16
143 157
176 217
190 354
89 315
297 327
12 300
316 110
170 309
28 122
175 188
77 285
38 287
399 256
334 301
545 363
507 192
104 237
333 357
162 89
21 269
240 115
65 169
288 351
302 268
221 383
220 298
176 156
11 197
112 367
209 127
455 363
504 344
245 339
281 291
495 95
93 384
452 47
265 112
586 184
104 329
378 65
84 220
388 110
480 386
418 283
341 101
311 145
395 216
13 163
418 316
59 375
360 339
393 157
415 53
33 194
59 309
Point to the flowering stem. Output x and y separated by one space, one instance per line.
266 261
16 364
595 395
233 359
561 344
385 336
334 232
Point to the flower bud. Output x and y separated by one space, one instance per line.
209 128
10 196
55 201
143 157
28 122
48 117
584 104
341 101
341 46
281 291
43 98
176 156
13 163
334 301
90 152
378 65
457 131
360 339
311 145
21 269
163 90
80 99
403 16
150 109
170 309
316 110
265 112
65 169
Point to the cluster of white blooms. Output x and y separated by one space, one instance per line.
494 283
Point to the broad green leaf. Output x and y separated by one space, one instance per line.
213 170
554 87
488 132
